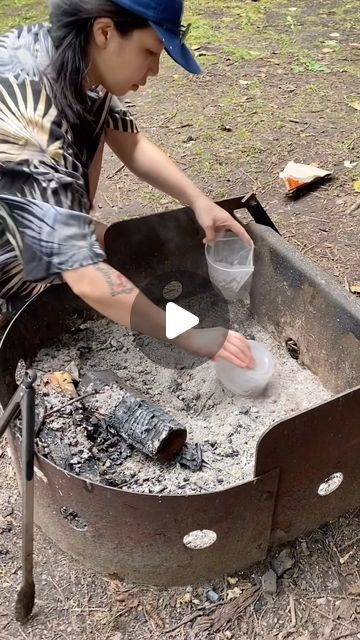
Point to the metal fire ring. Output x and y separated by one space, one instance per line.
141 537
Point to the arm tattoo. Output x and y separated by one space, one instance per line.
117 283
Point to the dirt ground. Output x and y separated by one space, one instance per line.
280 83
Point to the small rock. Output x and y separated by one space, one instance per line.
83 348
5 526
283 562
212 596
140 615
269 582
226 452
7 511
304 548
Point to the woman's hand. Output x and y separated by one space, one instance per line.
218 344
215 220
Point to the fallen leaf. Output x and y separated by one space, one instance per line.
73 369
346 557
232 581
61 381
349 164
186 598
122 597
164 602
355 589
328 629
129 599
233 593
355 288
343 609
133 603
357 186
355 104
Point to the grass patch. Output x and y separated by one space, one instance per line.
232 12
236 53
352 70
347 15
310 65
16 12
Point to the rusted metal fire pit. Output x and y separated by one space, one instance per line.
140 537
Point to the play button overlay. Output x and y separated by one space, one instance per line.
178 321
189 302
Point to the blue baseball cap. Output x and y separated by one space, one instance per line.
164 16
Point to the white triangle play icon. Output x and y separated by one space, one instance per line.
178 321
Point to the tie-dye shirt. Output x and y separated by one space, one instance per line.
45 228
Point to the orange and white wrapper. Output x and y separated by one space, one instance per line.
296 175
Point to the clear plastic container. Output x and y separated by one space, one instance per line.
231 266
247 382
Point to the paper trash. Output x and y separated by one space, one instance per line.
296 175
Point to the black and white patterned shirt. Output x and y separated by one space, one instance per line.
45 228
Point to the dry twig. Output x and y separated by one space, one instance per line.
347 635
230 611
192 616
67 404
349 544
118 170
292 611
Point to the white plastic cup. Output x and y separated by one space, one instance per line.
247 382
231 266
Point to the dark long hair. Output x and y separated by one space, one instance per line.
71 21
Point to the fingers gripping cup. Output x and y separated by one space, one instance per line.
231 266
247 382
